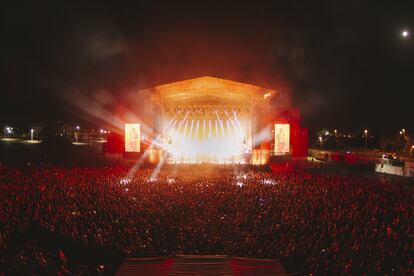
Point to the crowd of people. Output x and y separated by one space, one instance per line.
333 224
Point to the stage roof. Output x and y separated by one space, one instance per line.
182 90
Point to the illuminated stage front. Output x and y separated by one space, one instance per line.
197 139
210 120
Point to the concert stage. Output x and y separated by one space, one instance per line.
212 120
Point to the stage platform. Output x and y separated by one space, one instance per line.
212 265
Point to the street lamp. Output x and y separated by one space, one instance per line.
366 137
31 134
8 131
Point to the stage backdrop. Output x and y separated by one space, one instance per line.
132 138
282 138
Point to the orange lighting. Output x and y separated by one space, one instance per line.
260 157
154 155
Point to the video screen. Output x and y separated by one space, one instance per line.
282 138
132 138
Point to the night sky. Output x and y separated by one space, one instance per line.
344 64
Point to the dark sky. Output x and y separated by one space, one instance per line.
342 63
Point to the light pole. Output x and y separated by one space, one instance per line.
77 134
403 139
366 137
31 134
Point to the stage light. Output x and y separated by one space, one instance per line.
268 182
125 181
268 95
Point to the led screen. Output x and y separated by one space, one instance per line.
282 138
132 137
